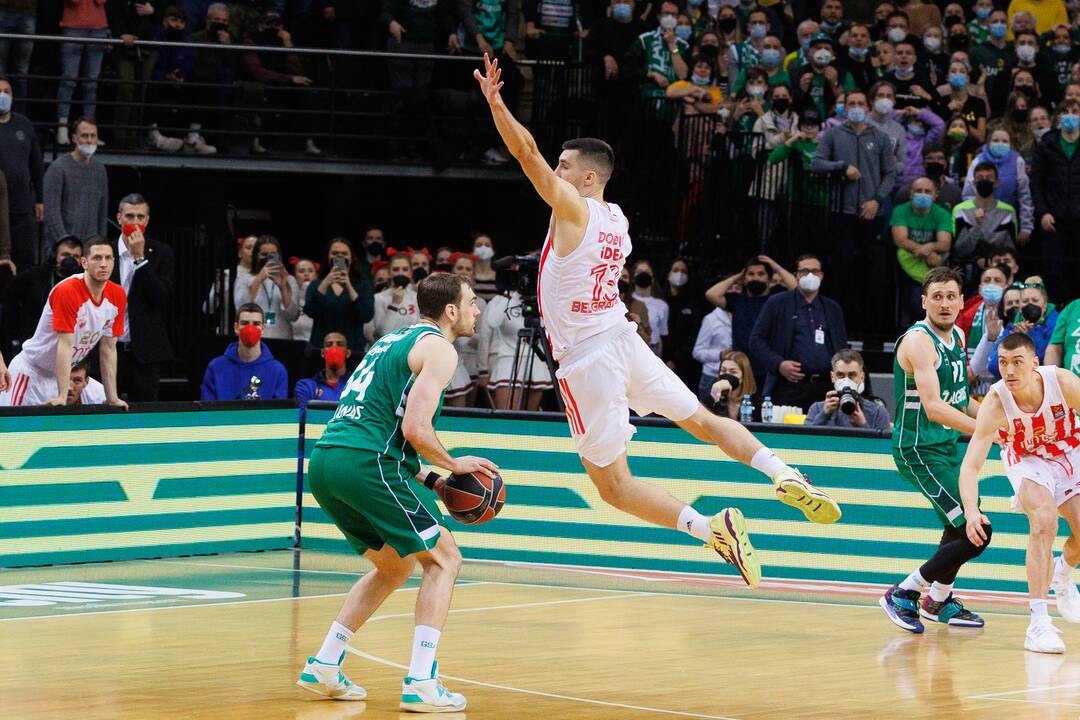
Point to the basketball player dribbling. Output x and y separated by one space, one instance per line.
605 367
1032 413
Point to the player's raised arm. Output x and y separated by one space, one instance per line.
918 352
434 360
991 417
563 197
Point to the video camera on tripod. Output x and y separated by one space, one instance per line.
520 273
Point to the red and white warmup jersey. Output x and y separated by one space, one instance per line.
579 294
1052 431
71 309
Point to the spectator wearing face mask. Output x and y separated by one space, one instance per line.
994 53
803 32
802 186
954 98
995 320
77 189
735 381
1036 319
848 376
982 224
483 249
659 57
700 95
979 26
1055 190
819 83
271 288
395 307
380 275
342 300
750 103
771 64
647 290
832 20
1015 122
935 164
247 370
960 147
972 319
744 294
1025 72
327 384
1059 56
912 82
686 308
922 233
1045 13
882 102
923 128
1012 186
855 60
25 296
1038 125
747 53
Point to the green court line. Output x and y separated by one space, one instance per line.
152 521
145 552
62 493
221 485
185 451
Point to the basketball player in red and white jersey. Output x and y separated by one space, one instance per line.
82 310
1032 413
605 367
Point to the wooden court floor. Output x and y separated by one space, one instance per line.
225 636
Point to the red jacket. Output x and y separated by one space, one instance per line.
967 315
84 15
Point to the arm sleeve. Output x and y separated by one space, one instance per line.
1037 181
281 382
37 167
1058 336
704 351
242 289
816 414
302 391
822 161
890 171
158 280
877 416
293 311
936 127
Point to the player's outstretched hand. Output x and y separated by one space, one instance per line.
470 464
490 82
974 529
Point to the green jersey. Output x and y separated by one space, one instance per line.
372 404
1067 334
912 428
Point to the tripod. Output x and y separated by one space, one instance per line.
532 343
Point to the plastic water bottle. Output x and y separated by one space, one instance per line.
746 410
766 410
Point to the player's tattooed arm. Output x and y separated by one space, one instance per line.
991 417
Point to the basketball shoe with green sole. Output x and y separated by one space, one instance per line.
794 489
328 680
732 541
429 695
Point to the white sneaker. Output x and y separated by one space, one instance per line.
311 149
429 696
257 147
201 147
492 156
62 137
165 144
1068 598
328 681
1043 637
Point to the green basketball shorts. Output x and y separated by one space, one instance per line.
935 471
373 501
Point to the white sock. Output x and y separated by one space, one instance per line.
425 642
939 591
334 644
765 461
1061 568
914 581
694 524
1038 608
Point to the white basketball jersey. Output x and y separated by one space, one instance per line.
1051 431
579 294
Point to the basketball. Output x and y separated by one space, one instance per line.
473 498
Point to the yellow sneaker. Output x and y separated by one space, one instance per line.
732 542
795 490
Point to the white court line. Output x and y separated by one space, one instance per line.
986 696
1025 702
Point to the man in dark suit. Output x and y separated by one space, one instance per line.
146 270
26 295
796 335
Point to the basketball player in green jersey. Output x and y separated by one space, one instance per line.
361 472
932 409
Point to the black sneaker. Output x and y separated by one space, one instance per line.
949 611
902 607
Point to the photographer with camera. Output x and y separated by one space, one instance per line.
846 405
272 288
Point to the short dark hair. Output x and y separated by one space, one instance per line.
83 364
436 291
79 121
1001 268
249 307
942 275
806 256
68 241
92 241
931 149
985 167
1017 340
756 260
131 199
847 355
596 152
877 86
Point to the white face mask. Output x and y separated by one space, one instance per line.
484 252
677 279
668 22
87 150
896 34
847 383
809 283
883 106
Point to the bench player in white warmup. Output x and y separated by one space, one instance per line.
1032 412
605 367
82 310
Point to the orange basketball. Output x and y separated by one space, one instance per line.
473 498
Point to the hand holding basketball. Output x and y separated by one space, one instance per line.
469 464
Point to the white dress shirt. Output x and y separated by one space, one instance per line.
127 272
712 340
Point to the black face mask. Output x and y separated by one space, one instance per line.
400 281
951 20
934 170
444 267
215 28
1020 114
727 25
269 36
733 381
68 266
756 287
379 287
643 280
781 105
1031 312
624 287
419 274
174 34
375 249
958 43
985 188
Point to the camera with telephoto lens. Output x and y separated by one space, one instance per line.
849 395
520 273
